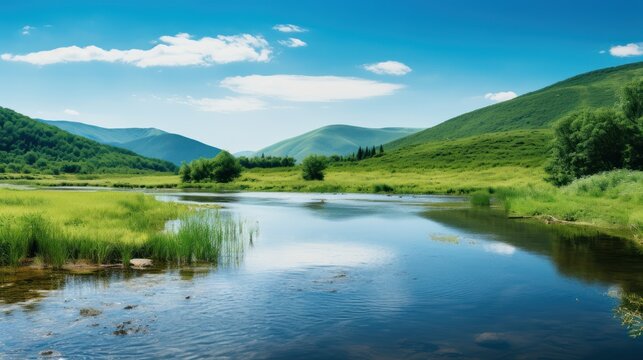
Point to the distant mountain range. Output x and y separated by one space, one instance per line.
334 139
149 142
30 146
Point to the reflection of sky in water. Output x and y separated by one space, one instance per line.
355 276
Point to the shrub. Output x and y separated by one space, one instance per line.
313 167
223 168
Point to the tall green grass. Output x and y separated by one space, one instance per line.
610 200
107 228
205 236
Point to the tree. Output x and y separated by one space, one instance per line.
225 167
381 149
313 167
632 100
631 105
360 153
588 142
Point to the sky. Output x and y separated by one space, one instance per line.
242 75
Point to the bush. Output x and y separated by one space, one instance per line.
223 168
313 167
589 142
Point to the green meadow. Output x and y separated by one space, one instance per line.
58 228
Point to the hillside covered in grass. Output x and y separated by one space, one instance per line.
150 142
520 148
334 139
29 146
535 110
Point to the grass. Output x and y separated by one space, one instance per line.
535 110
56 227
612 201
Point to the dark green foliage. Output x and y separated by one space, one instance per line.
313 167
222 168
632 107
28 146
266 161
632 100
591 141
383 188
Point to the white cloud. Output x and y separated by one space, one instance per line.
292 42
227 104
71 112
500 248
388 68
308 88
500 96
26 30
630 49
179 50
289 28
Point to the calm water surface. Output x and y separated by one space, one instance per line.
346 276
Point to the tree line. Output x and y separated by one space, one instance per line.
266 161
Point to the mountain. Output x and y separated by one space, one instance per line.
149 142
27 145
535 110
334 139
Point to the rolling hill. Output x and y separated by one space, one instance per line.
535 110
149 142
334 139
27 146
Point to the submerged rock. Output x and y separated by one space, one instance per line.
140 263
90 312
50 353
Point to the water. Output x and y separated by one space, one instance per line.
346 276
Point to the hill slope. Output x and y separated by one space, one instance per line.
538 109
149 142
27 145
334 139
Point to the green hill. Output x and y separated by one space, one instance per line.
27 145
538 109
520 148
149 142
334 139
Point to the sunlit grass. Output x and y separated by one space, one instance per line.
108 227
612 200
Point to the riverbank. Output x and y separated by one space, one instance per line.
611 202
43 228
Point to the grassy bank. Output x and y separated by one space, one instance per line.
53 228
612 201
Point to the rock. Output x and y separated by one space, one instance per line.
140 263
90 312
50 353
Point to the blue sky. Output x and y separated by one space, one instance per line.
226 74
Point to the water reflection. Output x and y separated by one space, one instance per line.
351 277
578 253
